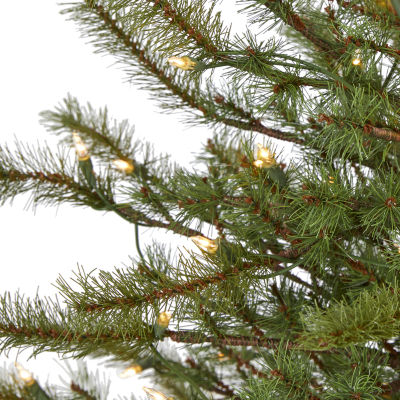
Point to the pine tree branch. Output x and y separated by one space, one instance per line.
135 217
63 180
382 133
368 129
393 20
189 99
384 49
180 372
173 16
230 340
240 361
225 340
288 253
82 392
283 10
223 388
283 307
260 128
180 288
106 138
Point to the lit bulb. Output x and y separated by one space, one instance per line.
131 371
264 157
163 319
24 375
185 63
208 245
124 166
357 60
222 357
81 150
155 395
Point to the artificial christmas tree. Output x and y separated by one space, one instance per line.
294 291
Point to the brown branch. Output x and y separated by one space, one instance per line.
260 128
82 392
230 340
368 129
226 340
283 307
174 18
152 67
63 334
61 179
180 288
202 283
302 26
223 388
382 133
394 21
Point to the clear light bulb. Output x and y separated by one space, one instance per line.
185 63
208 245
24 375
357 60
131 371
80 147
155 395
164 318
124 166
265 156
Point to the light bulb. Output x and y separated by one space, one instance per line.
24 375
155 395
357 60
131 371
81 150
124 166
265 158
208 245
222 357
164 318
185 63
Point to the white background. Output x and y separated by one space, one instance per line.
43 58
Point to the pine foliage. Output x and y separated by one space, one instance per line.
298 296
